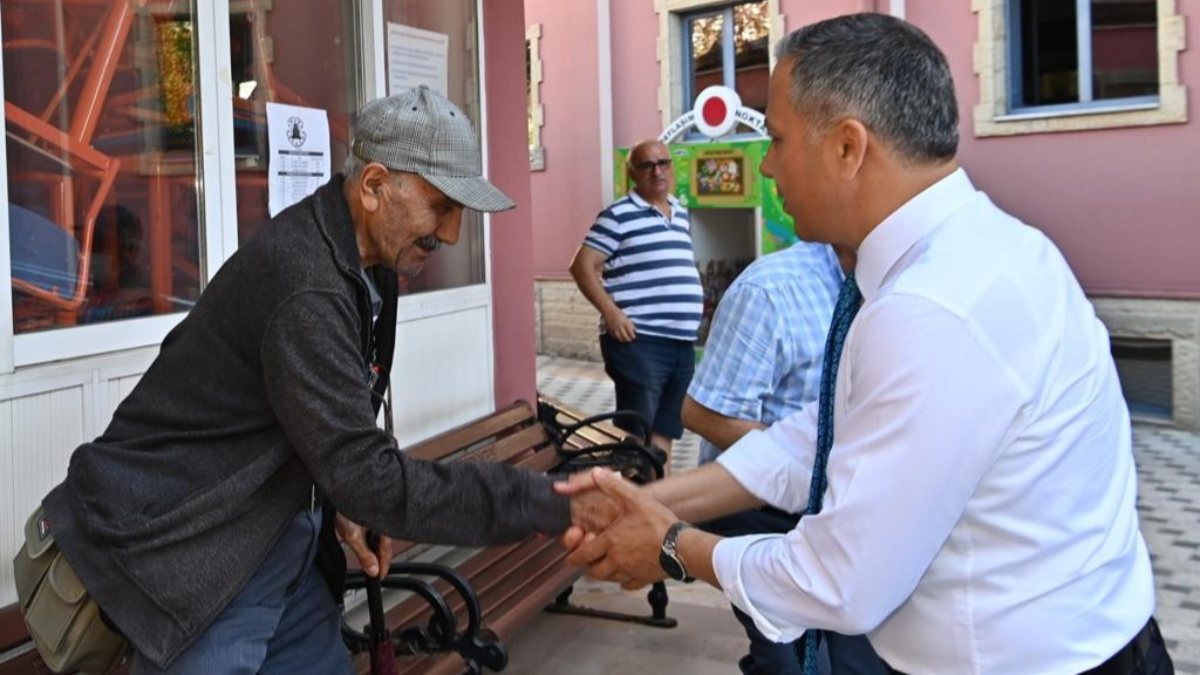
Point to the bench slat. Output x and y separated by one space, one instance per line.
509 447
517 415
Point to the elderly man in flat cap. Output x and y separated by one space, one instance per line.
194 521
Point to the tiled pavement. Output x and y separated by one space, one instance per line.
1169 502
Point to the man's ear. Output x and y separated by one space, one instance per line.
374 177
851 138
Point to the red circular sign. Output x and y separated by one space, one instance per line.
714 111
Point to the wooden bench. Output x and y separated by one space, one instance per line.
512 583
500 588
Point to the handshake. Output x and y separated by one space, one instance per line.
617 528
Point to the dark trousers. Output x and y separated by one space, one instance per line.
838 655
283 621
1146 654
650 376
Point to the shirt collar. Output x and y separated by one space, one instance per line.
641 202
907 225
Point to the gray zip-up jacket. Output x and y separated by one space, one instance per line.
257 394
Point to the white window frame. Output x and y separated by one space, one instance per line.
6 310
997 58
218 199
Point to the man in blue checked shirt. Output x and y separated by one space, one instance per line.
637 267
762 362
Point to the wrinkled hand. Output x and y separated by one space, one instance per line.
355 537
591 509
627 551
620 327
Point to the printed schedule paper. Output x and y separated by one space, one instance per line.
298 140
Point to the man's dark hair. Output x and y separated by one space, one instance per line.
881 71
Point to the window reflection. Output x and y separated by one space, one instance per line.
301 53
1049 52
1123 54
462 264
100 113
708 53
751 55
741 31
1124 48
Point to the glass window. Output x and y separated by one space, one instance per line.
461 264
730 47
1124 48
1080 51
529 100
751 52
101 138
1049 52
298 53
706 58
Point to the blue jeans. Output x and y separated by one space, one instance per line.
651 377
838 655
284 619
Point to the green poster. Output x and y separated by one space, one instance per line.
717 175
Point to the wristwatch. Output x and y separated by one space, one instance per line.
668 557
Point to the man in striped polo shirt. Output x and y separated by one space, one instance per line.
637 267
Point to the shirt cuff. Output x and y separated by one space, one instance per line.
718 400
727 564
767 471
597 246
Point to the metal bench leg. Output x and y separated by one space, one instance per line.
658 607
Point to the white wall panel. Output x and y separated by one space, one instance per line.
45 429
115 391
10 522
442 375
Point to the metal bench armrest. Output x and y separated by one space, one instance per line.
478 646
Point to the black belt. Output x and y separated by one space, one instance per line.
1126 660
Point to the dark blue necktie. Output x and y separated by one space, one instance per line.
849 300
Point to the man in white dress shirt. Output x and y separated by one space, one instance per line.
976 512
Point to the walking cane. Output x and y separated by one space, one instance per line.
383 653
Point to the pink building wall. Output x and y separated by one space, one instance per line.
1121 203
512 231
635 72
566 196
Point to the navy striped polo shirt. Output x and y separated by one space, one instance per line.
650 268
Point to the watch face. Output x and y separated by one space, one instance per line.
672 567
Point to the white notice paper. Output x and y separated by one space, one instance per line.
298 140
417 57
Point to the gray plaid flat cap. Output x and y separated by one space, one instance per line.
421 132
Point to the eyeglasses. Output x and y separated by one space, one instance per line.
663 164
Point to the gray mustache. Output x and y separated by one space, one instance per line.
429 242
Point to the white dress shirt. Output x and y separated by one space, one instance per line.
979 515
